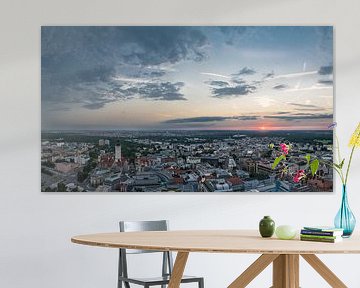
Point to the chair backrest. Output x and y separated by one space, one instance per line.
138 226
133 226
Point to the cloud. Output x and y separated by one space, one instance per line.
245 118
231 88
302 114
166 91
215 75
292 75
157 73
99 73
236 87
301 117
100 93
94 106
245 71
145 73
303 105
218 83
326 82
96 65
232 33
161 91
196 119
307 107
130 80
209 119
143 45
280 86
240 81
269 75
237 90
166 67
326 70
150 73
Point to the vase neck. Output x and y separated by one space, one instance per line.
344 193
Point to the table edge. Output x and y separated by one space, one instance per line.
203 250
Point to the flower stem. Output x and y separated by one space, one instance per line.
351 156
339 171
348 166
338 149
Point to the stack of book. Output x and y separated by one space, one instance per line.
321 234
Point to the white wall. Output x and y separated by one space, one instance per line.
35 228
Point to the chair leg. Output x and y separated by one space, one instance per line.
201 283
165 267
120 270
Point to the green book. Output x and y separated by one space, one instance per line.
325 240
319 236
323 228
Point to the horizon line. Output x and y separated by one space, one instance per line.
224 130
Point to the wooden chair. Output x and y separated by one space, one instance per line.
167 262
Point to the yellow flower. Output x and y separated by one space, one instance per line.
355 138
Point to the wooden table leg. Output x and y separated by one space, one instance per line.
253 270
293 264
279 269
324 271
178 269
286 271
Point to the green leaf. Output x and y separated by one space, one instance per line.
308 157
342 163
314 166
339 166
277 161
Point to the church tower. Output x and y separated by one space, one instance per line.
117 152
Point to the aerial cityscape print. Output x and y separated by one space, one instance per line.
186 108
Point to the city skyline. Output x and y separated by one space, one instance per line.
184 161
198 78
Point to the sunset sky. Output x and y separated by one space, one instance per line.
257 78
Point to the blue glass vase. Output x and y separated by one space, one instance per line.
345 219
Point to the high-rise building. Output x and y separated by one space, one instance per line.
117 151
101 142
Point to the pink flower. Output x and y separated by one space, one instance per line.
284 148
299 176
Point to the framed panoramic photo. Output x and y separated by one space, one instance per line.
186 108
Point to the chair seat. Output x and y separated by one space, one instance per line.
158 280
